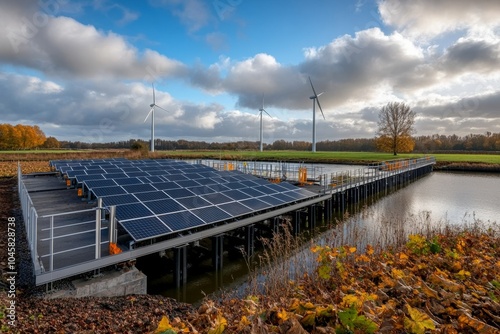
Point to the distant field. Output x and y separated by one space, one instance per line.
329 157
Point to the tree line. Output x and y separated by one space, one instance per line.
433 143
21 137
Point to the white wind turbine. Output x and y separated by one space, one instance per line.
152 113
315 99
262 110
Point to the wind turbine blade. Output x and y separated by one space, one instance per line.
154 99
314 91
264 110
321 109
157 106
262 102
149 113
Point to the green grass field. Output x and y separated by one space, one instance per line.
295 156
329 157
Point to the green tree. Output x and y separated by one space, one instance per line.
395 126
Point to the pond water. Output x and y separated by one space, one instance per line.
455 198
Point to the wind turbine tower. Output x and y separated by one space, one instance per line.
262 110
152 113
315 99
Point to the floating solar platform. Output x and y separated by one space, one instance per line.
154 198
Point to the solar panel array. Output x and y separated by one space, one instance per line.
159 197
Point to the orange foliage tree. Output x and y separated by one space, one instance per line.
395 126
20 137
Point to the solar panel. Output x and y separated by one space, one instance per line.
74 173
218 187
94 171
164 206
178 193
176 177
211 214
193 176
136 174
217 198
138 188
128 181
132 211
255 204
187 183
115 175
145 228
249 183
180 221
252 192
154 179
165 185
151 196
205 182
294 194
82 178
235 185
236 195
201 190
266 190
285 198
272 200
193 202
99 183
108 191
119 199
235 209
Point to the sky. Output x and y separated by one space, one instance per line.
82 70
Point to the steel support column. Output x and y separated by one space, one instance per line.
180 266
217 251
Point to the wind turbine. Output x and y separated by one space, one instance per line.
261 111
315 99
152 113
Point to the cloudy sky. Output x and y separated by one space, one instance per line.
83 69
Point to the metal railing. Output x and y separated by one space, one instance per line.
373 172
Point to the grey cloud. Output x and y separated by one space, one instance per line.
472 56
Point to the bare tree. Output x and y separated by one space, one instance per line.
395 127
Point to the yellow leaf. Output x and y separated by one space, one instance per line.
362 258
352 250
462 274
403 257
369 250
418 321
244 322
350 300
163 325
282 315
397 273
220 325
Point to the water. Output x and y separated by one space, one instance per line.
456 198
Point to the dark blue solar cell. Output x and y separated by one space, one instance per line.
136 174
201 190
132 211
138 188
218 187
165 185
294 194
108 191
187 183
219 180
206 182
235 194
235 209
176 177
130 169
306 193
81 178
252 192
115 175
178 193
249 183
74 173
272 200
260 181
193 176
255 204
94 171
193 202
154 179
112 170
128 181
277 187
99 183
164 206
157 172
266 190
119 199
285 198
211 214
235 185
151 195
145 228
210 174
181 221
217 198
